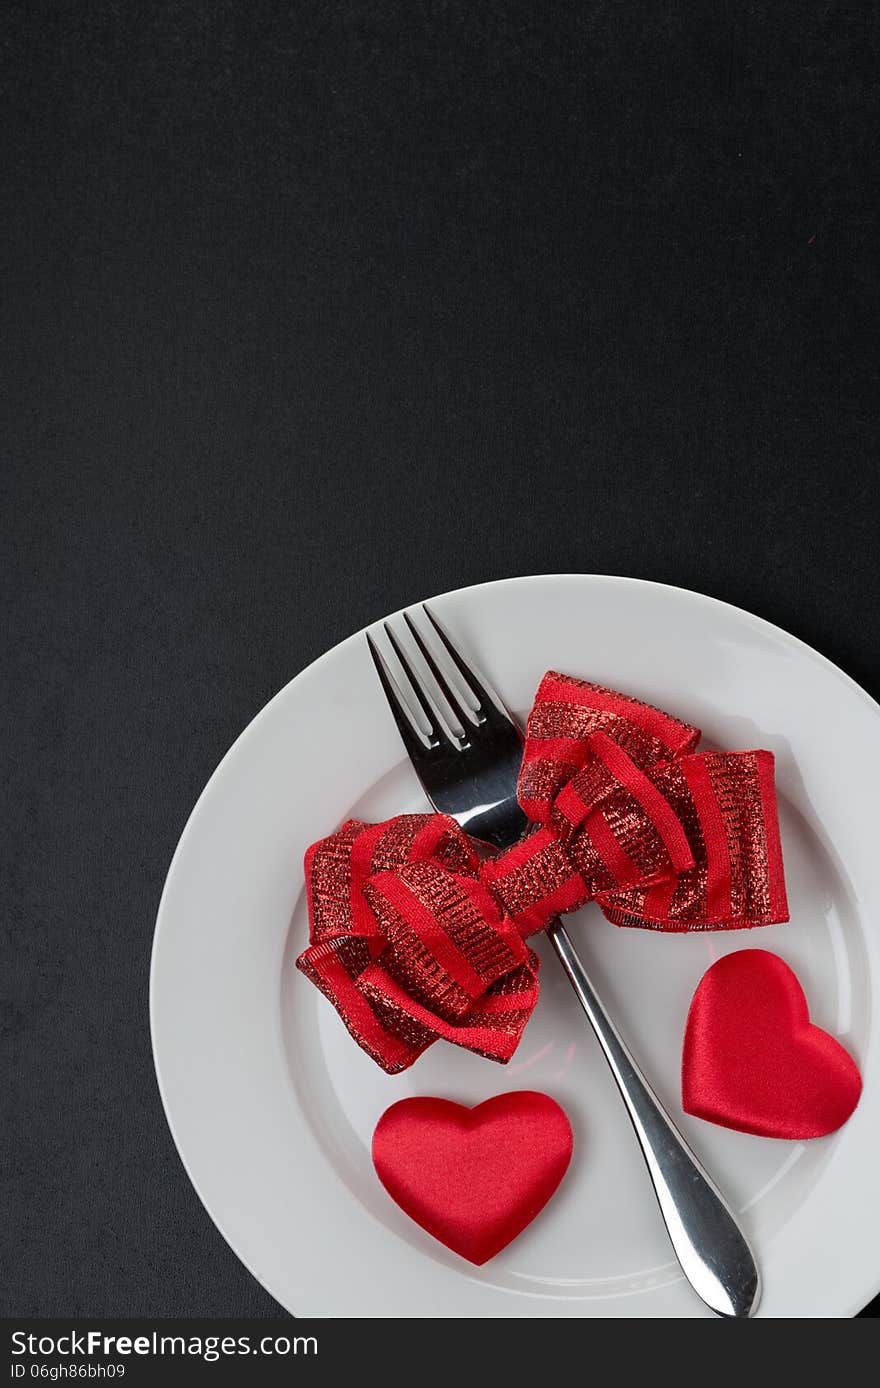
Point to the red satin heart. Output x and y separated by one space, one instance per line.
753 1061
473 1178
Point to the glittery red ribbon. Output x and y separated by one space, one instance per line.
414 937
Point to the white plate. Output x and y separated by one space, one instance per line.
272 1106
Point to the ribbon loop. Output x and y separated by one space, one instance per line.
414 938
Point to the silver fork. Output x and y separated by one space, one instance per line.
471 774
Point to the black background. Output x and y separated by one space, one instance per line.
311 311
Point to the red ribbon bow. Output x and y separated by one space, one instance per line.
414 937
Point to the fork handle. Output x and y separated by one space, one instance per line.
709 1244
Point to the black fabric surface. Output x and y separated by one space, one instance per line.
311 311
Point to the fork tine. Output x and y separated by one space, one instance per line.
454 699
484 694
411 675
443 722
415 741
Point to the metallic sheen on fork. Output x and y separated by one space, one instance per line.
466 750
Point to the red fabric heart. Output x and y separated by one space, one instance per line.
753 1061
473 1177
